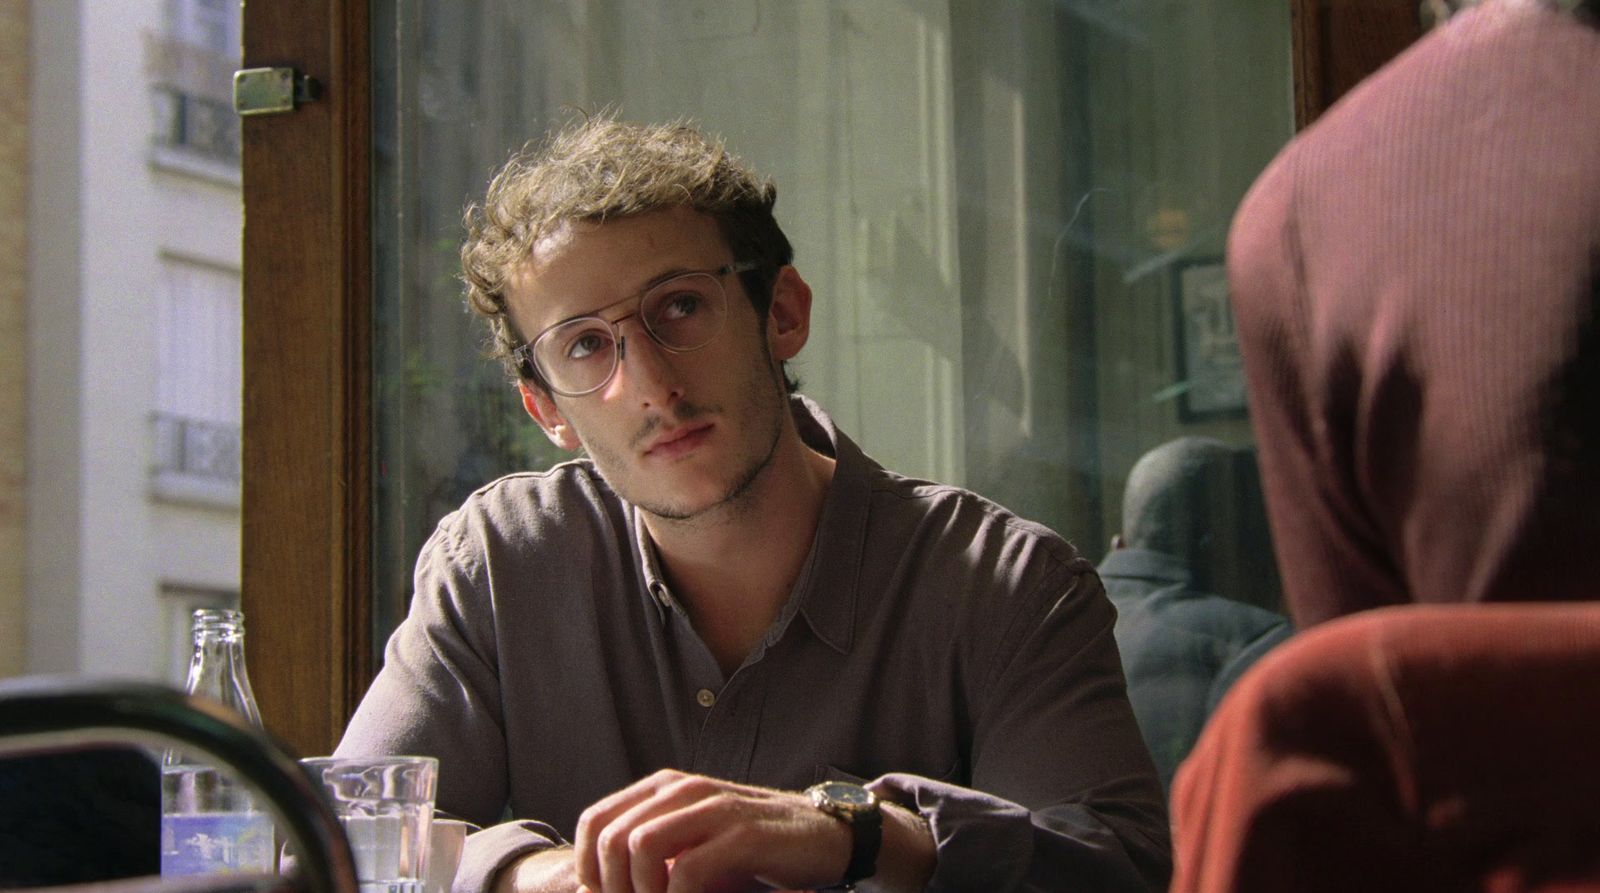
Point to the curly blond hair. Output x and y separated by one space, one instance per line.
598 169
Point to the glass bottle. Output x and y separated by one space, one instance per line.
210 820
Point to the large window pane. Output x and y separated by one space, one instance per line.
1011 215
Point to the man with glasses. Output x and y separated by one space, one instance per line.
726 650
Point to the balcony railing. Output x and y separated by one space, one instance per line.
205 126
196 449
191 94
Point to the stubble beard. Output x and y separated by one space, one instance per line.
736 501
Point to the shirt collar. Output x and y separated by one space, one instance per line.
655 585
827 591
825 594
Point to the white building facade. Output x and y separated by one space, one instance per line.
134 332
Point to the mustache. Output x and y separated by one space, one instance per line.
685 411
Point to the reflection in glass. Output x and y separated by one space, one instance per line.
989 201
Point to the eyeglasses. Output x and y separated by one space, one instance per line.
684 313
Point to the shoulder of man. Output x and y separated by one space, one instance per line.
967 536
572 485
1004 599
534 506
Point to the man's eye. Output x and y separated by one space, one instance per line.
679 306
586 345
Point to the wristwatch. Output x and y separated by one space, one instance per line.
857 807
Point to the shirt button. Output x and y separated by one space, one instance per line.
706 697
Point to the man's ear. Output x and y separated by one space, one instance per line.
542 409
789 316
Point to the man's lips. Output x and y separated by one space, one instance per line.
679 440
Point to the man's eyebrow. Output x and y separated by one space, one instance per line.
652 282
671 273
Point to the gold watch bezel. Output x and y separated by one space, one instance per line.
843 800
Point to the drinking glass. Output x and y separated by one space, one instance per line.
386 807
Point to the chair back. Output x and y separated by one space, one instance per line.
46 714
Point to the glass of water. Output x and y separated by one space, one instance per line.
386 807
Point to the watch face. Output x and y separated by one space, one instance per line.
849 795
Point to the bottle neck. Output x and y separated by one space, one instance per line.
217 667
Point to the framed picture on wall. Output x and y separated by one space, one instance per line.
1210 375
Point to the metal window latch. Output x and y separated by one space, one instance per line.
269 91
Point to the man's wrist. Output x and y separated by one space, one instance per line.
909 853
858 809
550 870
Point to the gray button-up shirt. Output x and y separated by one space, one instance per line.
935 642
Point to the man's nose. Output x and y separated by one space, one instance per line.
645 369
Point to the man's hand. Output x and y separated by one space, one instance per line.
683 833
680 833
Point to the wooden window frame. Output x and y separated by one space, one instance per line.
1337 43
305 564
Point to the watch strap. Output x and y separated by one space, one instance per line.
867 830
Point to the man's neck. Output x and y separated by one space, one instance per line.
734 570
